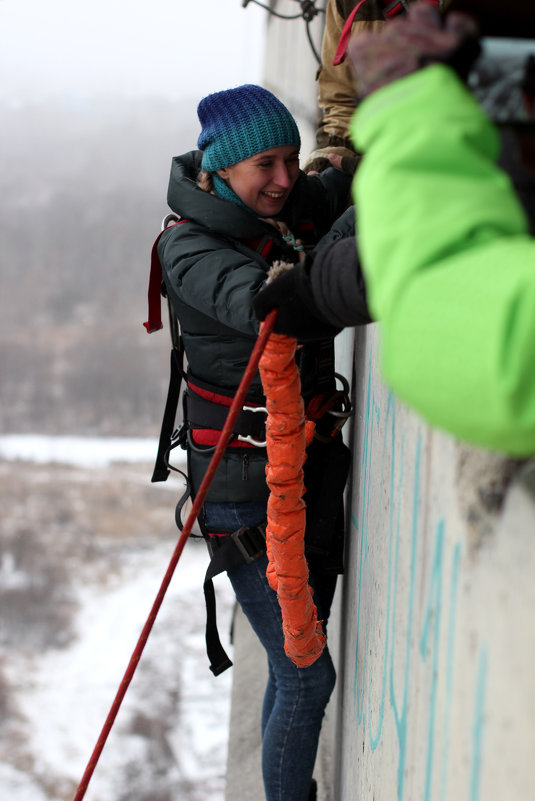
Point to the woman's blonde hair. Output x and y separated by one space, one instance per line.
205 181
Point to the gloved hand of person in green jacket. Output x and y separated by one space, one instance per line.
320 296
325 158
411 42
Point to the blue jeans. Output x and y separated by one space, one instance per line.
295 698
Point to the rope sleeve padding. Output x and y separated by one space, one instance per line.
286 437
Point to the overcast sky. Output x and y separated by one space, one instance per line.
167 47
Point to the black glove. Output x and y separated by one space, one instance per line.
348 165
298 315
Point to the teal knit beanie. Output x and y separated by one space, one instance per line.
238 123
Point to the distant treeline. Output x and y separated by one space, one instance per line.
82 195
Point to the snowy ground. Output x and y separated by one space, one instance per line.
169 739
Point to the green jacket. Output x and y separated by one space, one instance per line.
448 261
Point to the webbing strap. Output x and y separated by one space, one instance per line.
208 414
154 294
154 323
391 10
340 54
161 467
232 550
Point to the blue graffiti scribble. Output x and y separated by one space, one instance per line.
390 412
433 611
401 719
477 736
450 650
384 671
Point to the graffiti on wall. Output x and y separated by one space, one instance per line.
406 621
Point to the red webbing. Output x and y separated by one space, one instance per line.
340 54
154 294
341 50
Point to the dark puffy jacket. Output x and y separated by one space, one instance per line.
212 267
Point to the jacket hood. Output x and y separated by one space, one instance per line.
186 199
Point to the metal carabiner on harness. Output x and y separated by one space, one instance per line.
167 219
342 395
338 416
248 438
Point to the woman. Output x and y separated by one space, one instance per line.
243 204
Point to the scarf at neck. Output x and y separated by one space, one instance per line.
223 190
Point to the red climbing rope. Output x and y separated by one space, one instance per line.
226 434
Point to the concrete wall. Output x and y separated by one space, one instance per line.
436 686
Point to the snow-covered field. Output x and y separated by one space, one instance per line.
169 739
80 451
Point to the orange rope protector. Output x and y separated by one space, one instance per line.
286 435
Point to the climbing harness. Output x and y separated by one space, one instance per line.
204 411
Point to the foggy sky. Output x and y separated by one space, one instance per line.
51 48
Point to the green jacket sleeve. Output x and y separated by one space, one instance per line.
449 264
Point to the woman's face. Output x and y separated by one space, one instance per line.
264 181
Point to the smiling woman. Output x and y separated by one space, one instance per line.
243 205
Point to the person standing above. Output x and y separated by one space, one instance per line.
337 85
445 245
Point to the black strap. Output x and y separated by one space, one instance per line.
326 471
204 413
241 547
325 382
316 368
161 466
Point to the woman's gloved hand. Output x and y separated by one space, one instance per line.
298 315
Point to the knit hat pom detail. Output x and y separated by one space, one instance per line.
239 123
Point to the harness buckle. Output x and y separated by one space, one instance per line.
247 437
341 416
178 437
251 547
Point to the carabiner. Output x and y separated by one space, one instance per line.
248 438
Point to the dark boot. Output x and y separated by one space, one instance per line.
313 792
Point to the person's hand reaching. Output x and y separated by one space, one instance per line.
298 315
408 43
